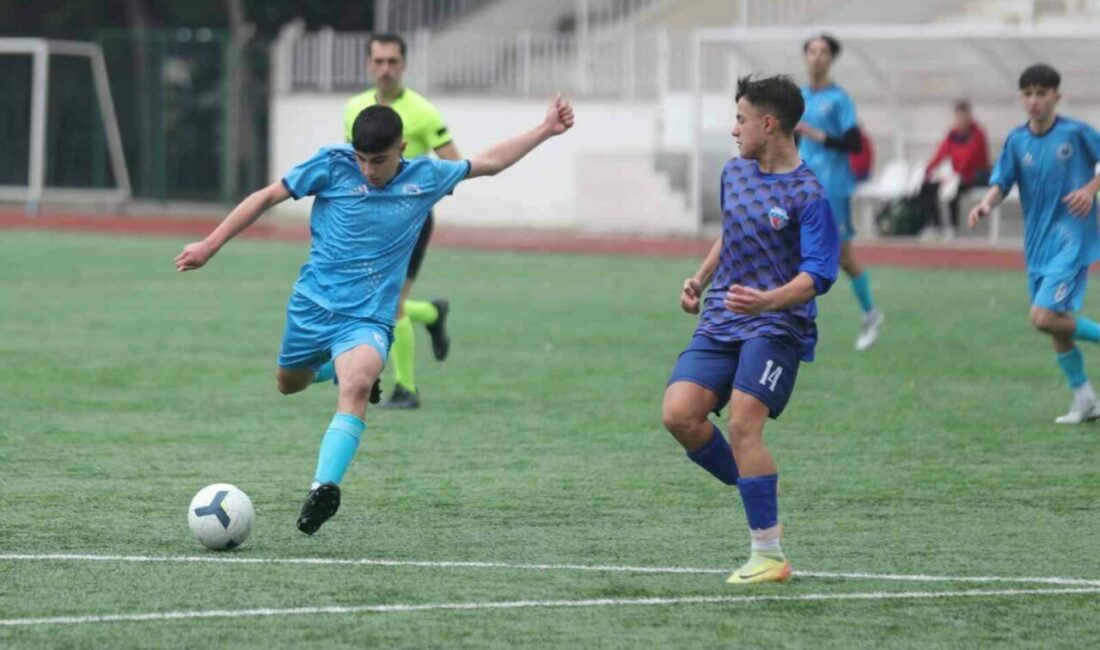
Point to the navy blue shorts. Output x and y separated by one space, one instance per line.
762 367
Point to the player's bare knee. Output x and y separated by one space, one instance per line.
1043 320
678 420
288 383
357 385
743 433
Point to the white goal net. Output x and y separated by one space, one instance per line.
58 123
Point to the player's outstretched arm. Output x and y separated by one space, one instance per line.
692 292
196 254
991 200
501 156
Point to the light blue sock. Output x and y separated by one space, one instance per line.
325 373
861 286
338 448
1073 366
1087 330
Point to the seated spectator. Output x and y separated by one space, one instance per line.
968 151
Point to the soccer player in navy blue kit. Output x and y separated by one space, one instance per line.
1052 159
829 134
778 250
369 207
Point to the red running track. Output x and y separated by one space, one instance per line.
912 255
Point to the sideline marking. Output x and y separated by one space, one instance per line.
68 557
531 604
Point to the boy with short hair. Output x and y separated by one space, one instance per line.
1053 161
778 250
370 205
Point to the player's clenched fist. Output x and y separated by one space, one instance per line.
193 256
689 296
559 117
746 300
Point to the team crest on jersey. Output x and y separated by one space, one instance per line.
411 189
1065 151
1028 159
778 218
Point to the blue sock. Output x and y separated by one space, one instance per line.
1073 366
325 373
1087 330
861 286
717 458
758 494
338 448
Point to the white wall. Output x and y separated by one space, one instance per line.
541 190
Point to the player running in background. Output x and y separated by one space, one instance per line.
828 134
778 250
1053 161
370 207
425 132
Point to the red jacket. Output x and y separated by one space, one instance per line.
968 151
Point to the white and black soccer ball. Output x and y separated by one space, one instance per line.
221 516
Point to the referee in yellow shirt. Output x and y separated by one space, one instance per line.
424 132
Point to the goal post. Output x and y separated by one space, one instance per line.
36 188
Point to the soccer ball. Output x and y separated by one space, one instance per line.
220 516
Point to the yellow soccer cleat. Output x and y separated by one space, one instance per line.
761 568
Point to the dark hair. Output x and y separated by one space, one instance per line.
830 40
776 95
962 105
386 37
376 129
1041 75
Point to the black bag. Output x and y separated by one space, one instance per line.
902 216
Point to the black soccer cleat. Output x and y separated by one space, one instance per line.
376 392
441 342
321 504
402 398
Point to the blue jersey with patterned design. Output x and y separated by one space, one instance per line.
1048 167
831 110
363 236
774 226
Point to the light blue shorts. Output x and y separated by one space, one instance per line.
1061 292
842 213
314 335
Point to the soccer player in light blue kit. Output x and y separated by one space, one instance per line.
829 134
778 250
369 206
1053 161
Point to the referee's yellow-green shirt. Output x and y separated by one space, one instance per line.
424 130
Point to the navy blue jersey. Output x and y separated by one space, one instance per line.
774 226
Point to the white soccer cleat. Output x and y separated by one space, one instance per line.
869 329
1079 413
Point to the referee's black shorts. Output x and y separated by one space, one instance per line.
421 248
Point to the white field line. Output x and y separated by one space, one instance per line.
539 604
227 559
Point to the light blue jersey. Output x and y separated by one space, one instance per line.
363 236
831 110
1048 167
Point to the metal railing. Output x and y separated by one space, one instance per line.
619 64
411 15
